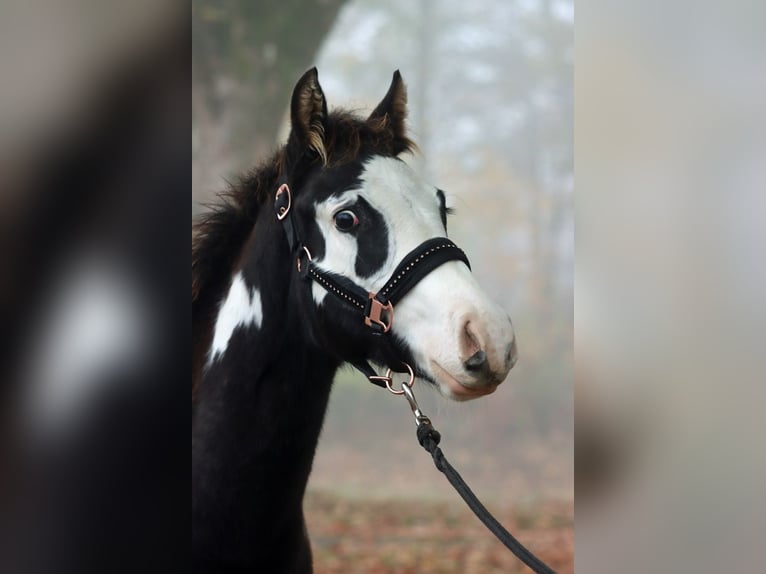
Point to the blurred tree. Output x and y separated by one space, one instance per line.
246 56
492 111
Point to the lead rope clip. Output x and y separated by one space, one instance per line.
406 390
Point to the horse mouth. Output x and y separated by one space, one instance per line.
456 390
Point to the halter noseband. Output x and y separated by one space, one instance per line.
376 308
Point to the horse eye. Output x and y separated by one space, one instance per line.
346 220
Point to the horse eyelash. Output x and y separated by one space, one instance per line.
443 199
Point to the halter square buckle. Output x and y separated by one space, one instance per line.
374 314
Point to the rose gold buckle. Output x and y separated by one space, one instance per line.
376 313
283 211
390 384
389 381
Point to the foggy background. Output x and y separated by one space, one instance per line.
670 282
491 109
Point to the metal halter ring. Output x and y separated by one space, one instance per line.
298 259
389 381
283 211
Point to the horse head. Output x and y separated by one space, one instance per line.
353 210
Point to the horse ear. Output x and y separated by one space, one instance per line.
308 112
392 111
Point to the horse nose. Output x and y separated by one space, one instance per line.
483 355
476 362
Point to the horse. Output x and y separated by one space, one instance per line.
276 264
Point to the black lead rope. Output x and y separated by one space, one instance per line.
378 313
429 438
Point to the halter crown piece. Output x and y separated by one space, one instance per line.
376 308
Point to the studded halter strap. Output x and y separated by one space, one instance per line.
378 307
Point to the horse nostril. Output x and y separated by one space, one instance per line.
476 362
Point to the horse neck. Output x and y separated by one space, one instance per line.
258 416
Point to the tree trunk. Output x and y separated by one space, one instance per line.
246 57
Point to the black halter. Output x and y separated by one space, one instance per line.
376 309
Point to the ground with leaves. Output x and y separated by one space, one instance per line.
354 535
376 504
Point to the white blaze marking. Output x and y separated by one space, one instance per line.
408 205
242 307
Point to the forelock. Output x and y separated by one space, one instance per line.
350 138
